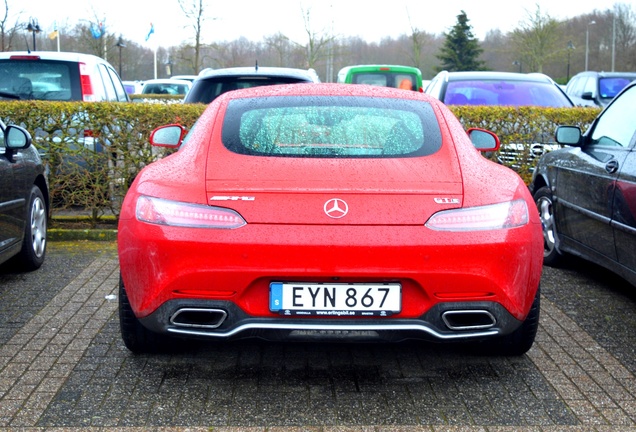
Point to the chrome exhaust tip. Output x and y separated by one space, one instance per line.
468 319
198 318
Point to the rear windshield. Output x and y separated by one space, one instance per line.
404 81
208 89
501 92
331 126
610 87
165 88
40 79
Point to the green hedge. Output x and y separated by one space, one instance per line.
97 181
523 125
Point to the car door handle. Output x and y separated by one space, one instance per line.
612 166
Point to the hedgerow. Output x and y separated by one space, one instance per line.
95 150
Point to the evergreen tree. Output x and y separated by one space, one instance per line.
461 49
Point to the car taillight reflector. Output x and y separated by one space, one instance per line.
174 213
87 86
496 216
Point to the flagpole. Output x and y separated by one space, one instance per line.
150 32
58 41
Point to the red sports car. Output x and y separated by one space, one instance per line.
329 211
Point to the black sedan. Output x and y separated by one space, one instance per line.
24 200
586 192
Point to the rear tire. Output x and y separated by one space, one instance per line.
136 337
519 341
31 256
545 205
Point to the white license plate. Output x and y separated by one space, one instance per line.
299 298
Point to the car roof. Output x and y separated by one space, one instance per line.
607 74
55 55
327 89
490 75
167 81
378 67
308 74
184 77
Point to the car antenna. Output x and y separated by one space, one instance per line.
256 67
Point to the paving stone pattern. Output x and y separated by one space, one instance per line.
65 367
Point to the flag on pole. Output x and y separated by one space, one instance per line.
54 34
97 31
150 32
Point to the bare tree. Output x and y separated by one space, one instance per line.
281 46
623 38
536 40
194 11
318 42
417 41
8 32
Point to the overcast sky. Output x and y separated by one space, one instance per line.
230 19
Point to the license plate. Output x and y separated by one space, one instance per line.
299 298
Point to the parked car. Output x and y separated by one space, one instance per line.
166 87
502 89
586 192
597 89
60 76
497 88
24 200
329 211
398 76
212 83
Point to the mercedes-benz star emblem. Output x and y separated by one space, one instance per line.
336 208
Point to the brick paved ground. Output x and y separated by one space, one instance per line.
62 365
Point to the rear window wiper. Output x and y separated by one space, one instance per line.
8 95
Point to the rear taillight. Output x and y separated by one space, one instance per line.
173 213
510 214
87 86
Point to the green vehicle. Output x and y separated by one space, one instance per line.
405 77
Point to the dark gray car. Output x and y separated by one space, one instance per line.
586 193
24 200
211 83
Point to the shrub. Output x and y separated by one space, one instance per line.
95 150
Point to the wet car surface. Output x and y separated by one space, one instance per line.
69 368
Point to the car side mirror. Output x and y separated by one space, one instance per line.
568 135
167 136
16 138
587 96
484 140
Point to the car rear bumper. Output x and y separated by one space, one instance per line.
223 320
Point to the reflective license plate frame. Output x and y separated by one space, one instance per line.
335 299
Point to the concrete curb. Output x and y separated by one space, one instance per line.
59 234
70 234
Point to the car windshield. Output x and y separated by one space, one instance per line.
502 92
41 79
206 90
330 126
165 88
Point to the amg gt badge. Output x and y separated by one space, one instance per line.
231 198
447 200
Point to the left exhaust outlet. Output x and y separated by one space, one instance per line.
198 318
